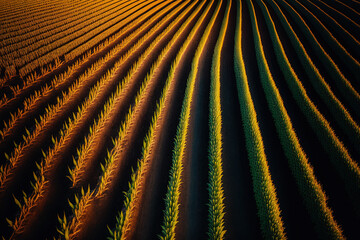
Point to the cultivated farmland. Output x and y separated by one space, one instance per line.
180 119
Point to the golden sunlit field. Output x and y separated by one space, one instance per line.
180 119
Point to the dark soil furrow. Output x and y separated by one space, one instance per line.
292 208
64 43
346 39
71 106
151 217
317 156
324 71
342 57
16 102
193 209
352 26
130 146
239 201
94 108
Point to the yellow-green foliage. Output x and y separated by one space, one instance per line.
109 106
106 178
310 189
216 229
264 189
342 83
29 202
172 196
337 109
108 168
124 216
29 103
51 112
77 207
60 79
86 34
339 156
57 81
337 48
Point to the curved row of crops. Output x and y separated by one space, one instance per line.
208 119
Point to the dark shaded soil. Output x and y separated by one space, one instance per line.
297 66
339 58
345 7
34 151
193 216
345 21
292 208
131 147
340 34
17 102
315 98
112 125
152 213
241 217
321 65
241 221
323 169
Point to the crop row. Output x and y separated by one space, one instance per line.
51 49
88 149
